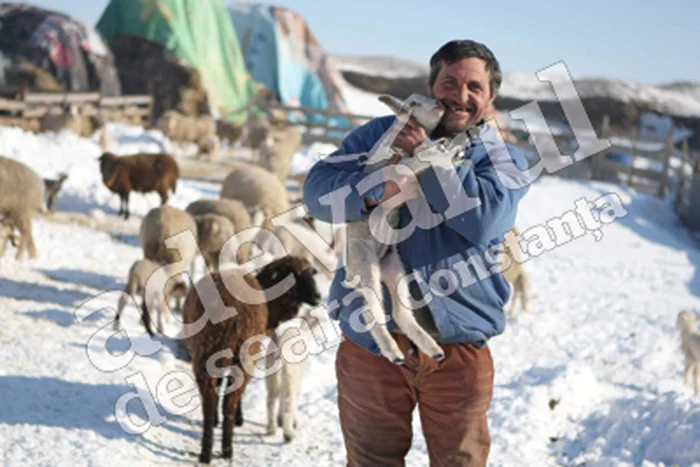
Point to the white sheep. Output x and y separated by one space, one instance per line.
232 209
278 148
256 187
159 225
516 276
21 195
213 231
690 346
200 130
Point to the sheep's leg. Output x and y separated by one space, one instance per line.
207 389
272 382
25 241
163 196
121 205
4 242
392 273
231 403
363 265
146 318
514 299
239 413
289 400
696 366
120 307
689 364
126 205
525 288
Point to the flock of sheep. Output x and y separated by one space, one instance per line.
251 196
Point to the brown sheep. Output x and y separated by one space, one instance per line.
226 337
142 173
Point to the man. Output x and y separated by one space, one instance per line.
376 398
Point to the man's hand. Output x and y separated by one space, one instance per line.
410 136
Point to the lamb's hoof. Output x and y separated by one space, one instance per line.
398 360
438 357
288 437
351 283
271 430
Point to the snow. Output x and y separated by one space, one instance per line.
600 344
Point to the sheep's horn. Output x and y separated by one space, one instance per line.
393 103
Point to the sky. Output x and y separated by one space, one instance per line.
651 42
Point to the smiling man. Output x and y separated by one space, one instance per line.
457 304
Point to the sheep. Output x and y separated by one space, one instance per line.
159 225
278 148
69 119
224 337
690 346
200 130
213 231
21 194
370 262
256 187
232 209
8 234
139 273
52 188
140 172
516 276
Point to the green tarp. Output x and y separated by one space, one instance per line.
200 32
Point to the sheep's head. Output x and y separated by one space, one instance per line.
304 289
686 321
108 162
213 231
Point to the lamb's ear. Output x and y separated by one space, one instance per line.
393 103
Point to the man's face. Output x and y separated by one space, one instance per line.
463 88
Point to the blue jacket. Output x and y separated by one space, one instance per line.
454 263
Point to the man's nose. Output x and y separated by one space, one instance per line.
462 93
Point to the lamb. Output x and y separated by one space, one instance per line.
232 209
140 172
52 188
690 346
139 273
278 148
370 261
224 336
516 276
285 385
256 187
21 194
159 225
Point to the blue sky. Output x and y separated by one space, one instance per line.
652 42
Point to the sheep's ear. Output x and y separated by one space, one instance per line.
393 103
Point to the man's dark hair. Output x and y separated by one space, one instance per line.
456 50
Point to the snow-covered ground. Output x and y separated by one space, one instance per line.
592 375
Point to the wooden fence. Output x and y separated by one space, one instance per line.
635 160
19 107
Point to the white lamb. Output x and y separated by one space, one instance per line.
371 262
690 346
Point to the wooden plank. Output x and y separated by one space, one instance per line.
667 163
11 104
116 101
60 98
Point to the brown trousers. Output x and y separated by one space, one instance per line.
376 399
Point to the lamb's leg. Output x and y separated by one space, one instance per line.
146 318
25 241
525 291
4 241
392 272
696 366
207 389
121 304
514 300
272 383
363 264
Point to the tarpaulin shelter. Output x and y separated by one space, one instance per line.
198 32
50 51
283 54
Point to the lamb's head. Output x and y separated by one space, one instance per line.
303 288
686 321
427 111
